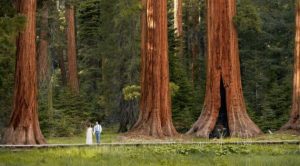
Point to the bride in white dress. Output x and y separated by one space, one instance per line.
89 135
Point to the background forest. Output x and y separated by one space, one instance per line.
108 60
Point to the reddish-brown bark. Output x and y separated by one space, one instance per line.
224 95
155 117
294 121
24 125
71 49
43 67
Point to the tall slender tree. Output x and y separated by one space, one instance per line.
178 25
71 48
61 64
155 117
294 121
43 67
224 105
178 17
24 125
192 36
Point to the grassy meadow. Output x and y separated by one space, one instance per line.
157 155
173 155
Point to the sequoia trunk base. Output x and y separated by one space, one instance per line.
155 118
224 111
23 136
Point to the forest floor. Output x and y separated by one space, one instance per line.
179 154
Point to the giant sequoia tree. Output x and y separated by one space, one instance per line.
71 49
294 122
155 117
224 105
24 125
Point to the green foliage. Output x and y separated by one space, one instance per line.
183 96
174 89
266 49
131 92
247 18
69 116
109 51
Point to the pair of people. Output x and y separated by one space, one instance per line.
96 131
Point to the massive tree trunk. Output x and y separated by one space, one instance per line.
71 49
294 122
155 117
224 105
43 67
24 125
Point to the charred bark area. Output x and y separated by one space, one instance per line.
155 118
24 125
294 121
223 64
221 128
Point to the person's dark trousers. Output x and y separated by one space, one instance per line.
97 137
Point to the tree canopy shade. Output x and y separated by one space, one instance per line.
224 105
24 125
155 117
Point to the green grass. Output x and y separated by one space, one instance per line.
173 155
112 137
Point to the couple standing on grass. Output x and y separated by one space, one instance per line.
96 131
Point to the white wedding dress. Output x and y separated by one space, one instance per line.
89 136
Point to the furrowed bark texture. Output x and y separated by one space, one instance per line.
24 125
155 117
294 121
223 72
71 49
